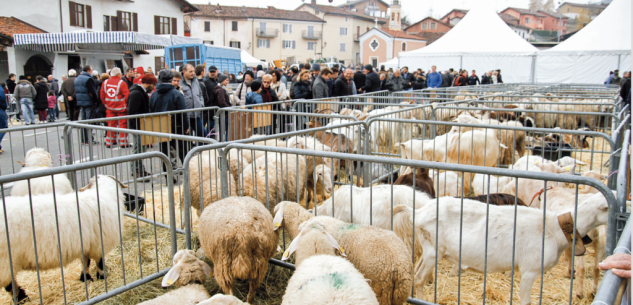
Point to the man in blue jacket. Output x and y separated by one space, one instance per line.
86 94
434 79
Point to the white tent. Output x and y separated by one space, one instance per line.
481 41
393 63
251 61
587 57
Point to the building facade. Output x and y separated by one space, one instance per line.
143 16
453 17
429 25
555 21
527 18
373 8
268 34
342 30
381 45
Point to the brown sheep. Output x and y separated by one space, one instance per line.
498 199
237 234
422 181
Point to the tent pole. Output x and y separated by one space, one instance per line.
461 58
619 56
533 70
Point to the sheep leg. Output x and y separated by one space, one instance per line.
527 280
580 269
454 271
84 277
21 293
598 247
252 288
425 267
567 255
100 269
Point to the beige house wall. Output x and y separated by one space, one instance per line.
380 52
411 45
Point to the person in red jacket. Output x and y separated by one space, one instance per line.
114 94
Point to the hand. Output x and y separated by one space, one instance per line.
620 265
187 131
359 90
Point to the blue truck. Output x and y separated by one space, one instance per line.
224 58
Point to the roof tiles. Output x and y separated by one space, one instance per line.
253 12
12 25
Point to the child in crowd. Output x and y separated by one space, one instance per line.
52 101
254 97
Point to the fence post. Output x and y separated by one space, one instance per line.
68 145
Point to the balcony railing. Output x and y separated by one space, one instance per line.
313 35
266 32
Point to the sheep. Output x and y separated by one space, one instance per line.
353 133
322 185
474 147
471 216
498 199
480 184
105 201
338 142
561 199
36 159
220 299
450 183
428 150
377 253
569 161
422 181
275 177
313 239
203 168
237 234
188 273
328 280
529 190
311 143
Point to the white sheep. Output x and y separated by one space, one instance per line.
427 150
320 185
321 277
450 183
480 184
188 273
273 178
237 234
203 168
220 299
529 190
471 217
377 253
94 231
36 159
353 133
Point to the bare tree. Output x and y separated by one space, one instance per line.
430 12
549 5
536 5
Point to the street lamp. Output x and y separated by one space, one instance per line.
560 16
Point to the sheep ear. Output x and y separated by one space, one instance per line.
206 268
279 217
292 247
335 243
172 275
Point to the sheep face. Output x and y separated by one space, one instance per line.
314 234
187 269
37 157
323 176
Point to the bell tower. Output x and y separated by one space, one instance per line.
394 18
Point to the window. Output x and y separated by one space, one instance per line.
342 47
287 28
207 26
425 26
527 20
393 16
106 23
404 46
374 44
207 42
288 44
166 25
234 26
433 25
159 63
126 21
80 15
311 45
343 31
263 43
235 44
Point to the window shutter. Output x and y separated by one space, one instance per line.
290 29
73 13
113 23
207 26
119 21
89 16
268 43
293 44
174 26
135 22
157 25
158 65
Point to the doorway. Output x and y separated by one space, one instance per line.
74 62
35 66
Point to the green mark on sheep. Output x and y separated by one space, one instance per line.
351 226
338 280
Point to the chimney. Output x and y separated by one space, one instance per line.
313 2
243 9
270 8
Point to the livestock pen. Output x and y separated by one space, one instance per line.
378 191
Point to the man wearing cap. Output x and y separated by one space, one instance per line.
138 103
499 79
210 83
615 80
222 100
372 81
316 70
167 98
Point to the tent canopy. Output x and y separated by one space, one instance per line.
481 31
610 31
251 61
393 63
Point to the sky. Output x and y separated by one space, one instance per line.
415 9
